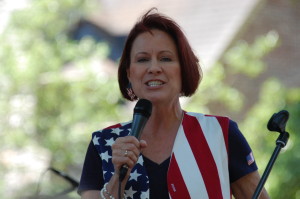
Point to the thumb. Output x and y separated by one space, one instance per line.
143 144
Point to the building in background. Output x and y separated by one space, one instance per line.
209 25
212 27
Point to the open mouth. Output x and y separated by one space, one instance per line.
154 83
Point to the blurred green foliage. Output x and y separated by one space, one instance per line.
284 179
55 91
218 94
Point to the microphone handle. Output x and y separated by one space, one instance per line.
138 124
122 172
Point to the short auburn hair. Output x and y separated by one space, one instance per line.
191 73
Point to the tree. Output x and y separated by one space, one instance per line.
218 94
284 179
54 91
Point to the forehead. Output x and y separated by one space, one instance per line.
154 40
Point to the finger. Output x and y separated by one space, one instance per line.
143 144
120 157
120 161
131 155
125 150
132 140
122 143
132 148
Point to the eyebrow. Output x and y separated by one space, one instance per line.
160 52
141 53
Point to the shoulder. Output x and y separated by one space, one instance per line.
202 115
111 132
116 129
234 131
103 139
223 121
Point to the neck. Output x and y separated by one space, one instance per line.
161 130
164 117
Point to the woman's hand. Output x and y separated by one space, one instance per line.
126 151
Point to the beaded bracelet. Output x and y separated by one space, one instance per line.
102 194
107 193
104 190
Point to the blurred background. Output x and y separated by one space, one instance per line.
58 82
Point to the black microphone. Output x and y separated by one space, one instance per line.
142 112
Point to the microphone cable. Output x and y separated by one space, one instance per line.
122 174
119 189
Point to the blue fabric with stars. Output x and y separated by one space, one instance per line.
138 184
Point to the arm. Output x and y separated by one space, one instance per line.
90 194
244 187
92 175
91 180
244 176
119 158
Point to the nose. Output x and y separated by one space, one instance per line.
154 67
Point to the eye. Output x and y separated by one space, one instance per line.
165 59
143 59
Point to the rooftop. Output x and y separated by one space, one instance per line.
210 26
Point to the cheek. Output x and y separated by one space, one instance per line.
178 79
134 73
130 73
176 73
134 77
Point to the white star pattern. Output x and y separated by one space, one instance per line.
140 160
95 140
117 131
105 156
108 173
130 192
109 142
134 175
144 195
138 182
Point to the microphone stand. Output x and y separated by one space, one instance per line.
280 143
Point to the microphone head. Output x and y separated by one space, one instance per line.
143 107
278 121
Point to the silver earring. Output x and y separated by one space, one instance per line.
130 92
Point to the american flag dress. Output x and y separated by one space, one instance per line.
199 161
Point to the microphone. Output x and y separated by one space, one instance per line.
142 112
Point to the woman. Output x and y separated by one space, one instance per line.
180 154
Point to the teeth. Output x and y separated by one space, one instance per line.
155 83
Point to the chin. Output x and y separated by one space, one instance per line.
158 99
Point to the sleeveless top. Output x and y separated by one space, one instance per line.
199 160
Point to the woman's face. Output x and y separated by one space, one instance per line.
154 70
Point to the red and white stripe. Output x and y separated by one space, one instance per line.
199 163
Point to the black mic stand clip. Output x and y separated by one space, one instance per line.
276 123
